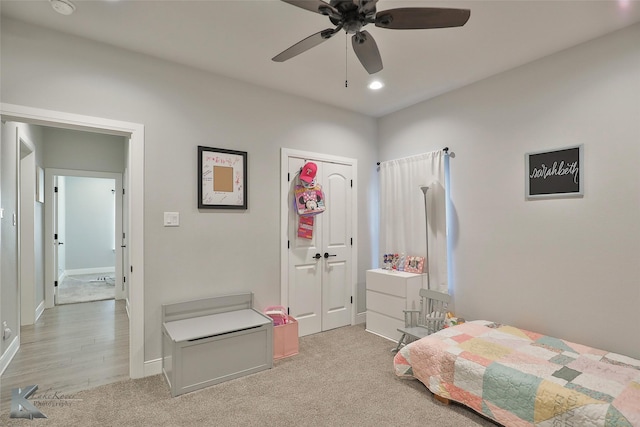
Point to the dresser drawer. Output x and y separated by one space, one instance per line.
385 326
386 304
392 283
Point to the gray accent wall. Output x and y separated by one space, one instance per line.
566 267
182 108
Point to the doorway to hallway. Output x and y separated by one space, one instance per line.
134 159
88 236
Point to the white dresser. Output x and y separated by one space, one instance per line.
388 293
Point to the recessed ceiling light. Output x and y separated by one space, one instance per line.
63 7
375 85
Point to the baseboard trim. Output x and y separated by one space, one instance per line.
152 367
361 318
39 310
9 354
97 270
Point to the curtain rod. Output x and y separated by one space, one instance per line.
445 149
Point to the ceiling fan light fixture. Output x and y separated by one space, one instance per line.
63 7
376 85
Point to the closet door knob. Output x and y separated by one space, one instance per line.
326 255
317 256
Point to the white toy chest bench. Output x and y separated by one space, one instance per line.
208 341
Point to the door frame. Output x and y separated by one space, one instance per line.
51 269
135 167
26 174
285 154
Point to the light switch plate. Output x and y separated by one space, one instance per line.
171 219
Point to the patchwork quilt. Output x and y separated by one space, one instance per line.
522 378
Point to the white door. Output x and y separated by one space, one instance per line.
319 277
58 228
119 237
336 243
125 238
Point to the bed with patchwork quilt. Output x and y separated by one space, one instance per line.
521 378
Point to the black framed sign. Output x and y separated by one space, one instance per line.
556 173
222 178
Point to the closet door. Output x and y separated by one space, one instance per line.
336 244
319 269
305 265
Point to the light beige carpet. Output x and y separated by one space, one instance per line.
85 288
342 377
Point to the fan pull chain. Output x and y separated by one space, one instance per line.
346 63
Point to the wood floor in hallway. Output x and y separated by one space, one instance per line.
71 347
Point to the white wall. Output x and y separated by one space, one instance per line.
182 108
90 223
567 267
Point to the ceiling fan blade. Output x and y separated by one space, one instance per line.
317 6
418 18
367 52
366 7
305 44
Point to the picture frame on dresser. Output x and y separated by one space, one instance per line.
414 264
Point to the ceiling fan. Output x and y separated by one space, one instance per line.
352 15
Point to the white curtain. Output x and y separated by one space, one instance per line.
402 212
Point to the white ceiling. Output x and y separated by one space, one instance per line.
238 38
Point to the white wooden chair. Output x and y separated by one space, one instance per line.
429 319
